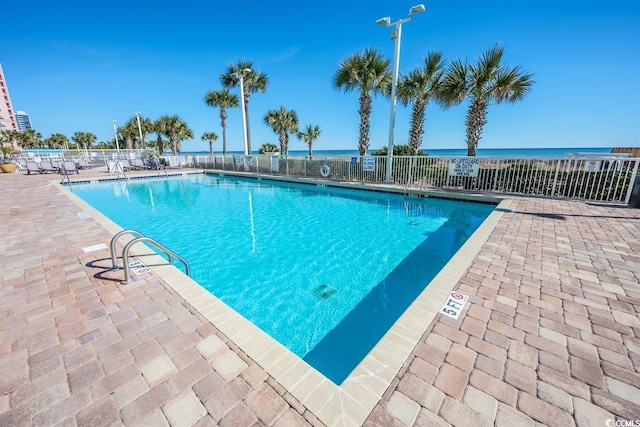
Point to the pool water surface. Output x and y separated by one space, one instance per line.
324 271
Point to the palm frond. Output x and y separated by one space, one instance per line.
455 85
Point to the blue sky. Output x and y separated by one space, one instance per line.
77 66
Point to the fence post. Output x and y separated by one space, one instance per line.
555 177
633 178
495 178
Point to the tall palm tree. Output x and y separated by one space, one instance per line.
310 134
253 81
210 136
175 129
368 72
419 87
283 122
157 129
84 139
222 99
483 83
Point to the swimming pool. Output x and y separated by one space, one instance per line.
324 271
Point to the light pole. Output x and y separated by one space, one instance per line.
397 35
140 129
240 75
115 132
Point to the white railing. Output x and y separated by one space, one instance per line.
607 178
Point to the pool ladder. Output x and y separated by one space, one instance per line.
139 237
409 182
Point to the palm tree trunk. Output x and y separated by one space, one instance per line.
417 126
174 144
284 150
365 122
211 148
476 119
160 145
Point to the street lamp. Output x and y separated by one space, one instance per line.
240 75
395 34
115 132
140 129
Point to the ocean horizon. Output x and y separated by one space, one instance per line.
443 152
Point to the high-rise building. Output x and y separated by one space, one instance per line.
23 120
7 117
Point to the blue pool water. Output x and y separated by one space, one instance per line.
324 271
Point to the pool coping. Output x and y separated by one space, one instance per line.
352 401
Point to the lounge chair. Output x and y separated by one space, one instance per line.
153 163
69 167
83 164
33 167
46 166
125 164
138 164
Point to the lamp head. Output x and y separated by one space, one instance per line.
384 21
246 70
416 9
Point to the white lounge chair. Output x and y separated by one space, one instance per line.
33 167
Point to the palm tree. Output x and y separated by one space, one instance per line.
10 137
130 131
84 139
29 138
367 72
419 87
253 81
130 134
175 129
483 83
222 99
57 140
282 121
210 136
267 147
310 134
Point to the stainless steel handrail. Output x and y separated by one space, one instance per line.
112 245
65 174
424 181
168 252
406 186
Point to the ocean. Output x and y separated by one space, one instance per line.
482 152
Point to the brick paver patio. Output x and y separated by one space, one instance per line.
551 334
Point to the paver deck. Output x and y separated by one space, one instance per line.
551 334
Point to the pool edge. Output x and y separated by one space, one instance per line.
355 398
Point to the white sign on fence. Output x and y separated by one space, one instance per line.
454 305
464 167
592 165
369 164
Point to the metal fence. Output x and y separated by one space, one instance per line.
605 178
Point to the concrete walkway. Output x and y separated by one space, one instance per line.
551 334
